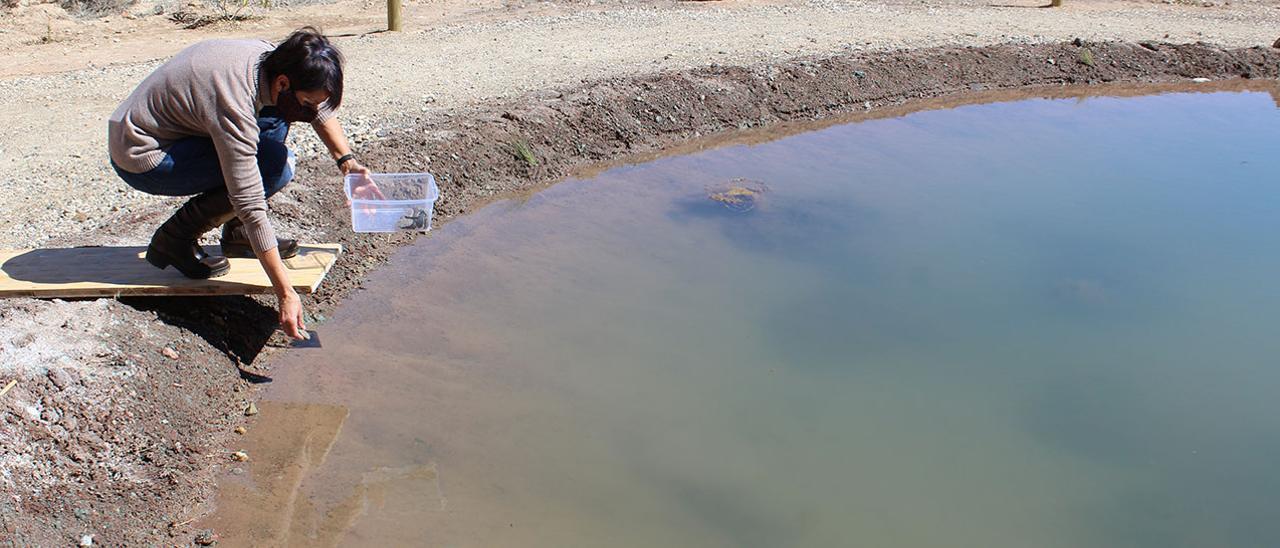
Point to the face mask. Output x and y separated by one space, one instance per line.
293 111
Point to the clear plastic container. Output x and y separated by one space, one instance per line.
387 202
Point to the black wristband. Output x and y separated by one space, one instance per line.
343 159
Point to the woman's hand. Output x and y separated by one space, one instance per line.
288 302
353 166
290 306
363 187
334 139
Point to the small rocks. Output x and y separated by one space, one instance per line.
86 540
240 456
206 538
169 353
240 430
1276 44
251 410
60 378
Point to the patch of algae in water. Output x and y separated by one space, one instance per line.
740 194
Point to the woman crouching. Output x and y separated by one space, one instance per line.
211 123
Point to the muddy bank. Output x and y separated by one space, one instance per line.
131 436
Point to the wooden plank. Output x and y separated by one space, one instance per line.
122 271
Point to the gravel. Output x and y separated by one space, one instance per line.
60 190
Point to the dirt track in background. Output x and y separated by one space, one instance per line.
122 441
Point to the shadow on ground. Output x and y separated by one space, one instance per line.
238 326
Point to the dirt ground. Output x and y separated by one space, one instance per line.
123 408
59 91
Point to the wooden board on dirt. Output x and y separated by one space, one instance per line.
122 271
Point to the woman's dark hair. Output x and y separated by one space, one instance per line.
310 62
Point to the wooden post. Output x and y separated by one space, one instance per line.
393 15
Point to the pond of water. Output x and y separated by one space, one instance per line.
1032 323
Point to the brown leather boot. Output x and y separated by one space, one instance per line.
176 242
235 242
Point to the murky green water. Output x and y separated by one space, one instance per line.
1033 324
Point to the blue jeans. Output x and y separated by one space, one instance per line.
190 165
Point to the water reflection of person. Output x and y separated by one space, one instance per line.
211 123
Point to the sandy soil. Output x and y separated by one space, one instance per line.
59 93
107 435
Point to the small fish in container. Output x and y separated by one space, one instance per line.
387 202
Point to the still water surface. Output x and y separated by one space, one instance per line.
1029 324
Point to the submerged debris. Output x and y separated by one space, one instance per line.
740 194
251 410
